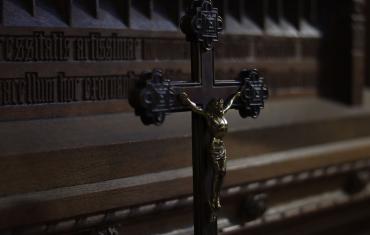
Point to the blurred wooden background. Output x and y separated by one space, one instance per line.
75 160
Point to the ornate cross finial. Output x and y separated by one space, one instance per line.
254 93
202 23
152 97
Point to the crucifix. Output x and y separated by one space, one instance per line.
209 99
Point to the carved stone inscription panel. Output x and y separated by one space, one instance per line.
33 89
55 46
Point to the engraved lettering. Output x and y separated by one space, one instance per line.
33 89
80 49
9 48
29 48
56 46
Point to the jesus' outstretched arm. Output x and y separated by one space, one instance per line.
193 106
230 103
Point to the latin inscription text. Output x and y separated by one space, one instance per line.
33 89
58 47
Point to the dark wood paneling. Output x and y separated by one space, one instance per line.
342 72
105 195
77 182
297 192
91 59
348 219
47 170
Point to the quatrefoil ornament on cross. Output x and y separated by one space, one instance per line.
202 23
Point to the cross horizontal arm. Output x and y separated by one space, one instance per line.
154 96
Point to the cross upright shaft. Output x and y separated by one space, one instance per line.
202 71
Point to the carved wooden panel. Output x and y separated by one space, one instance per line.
103 174
57 59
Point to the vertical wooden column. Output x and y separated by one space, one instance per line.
96 8
144 6
341 53
31 7
65 9
124 10
367 42
170 9
358 51
2 12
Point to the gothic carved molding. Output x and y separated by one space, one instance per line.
202 23
252 188
111 230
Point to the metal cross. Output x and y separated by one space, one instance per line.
209 100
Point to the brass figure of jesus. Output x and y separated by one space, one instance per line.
214 113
